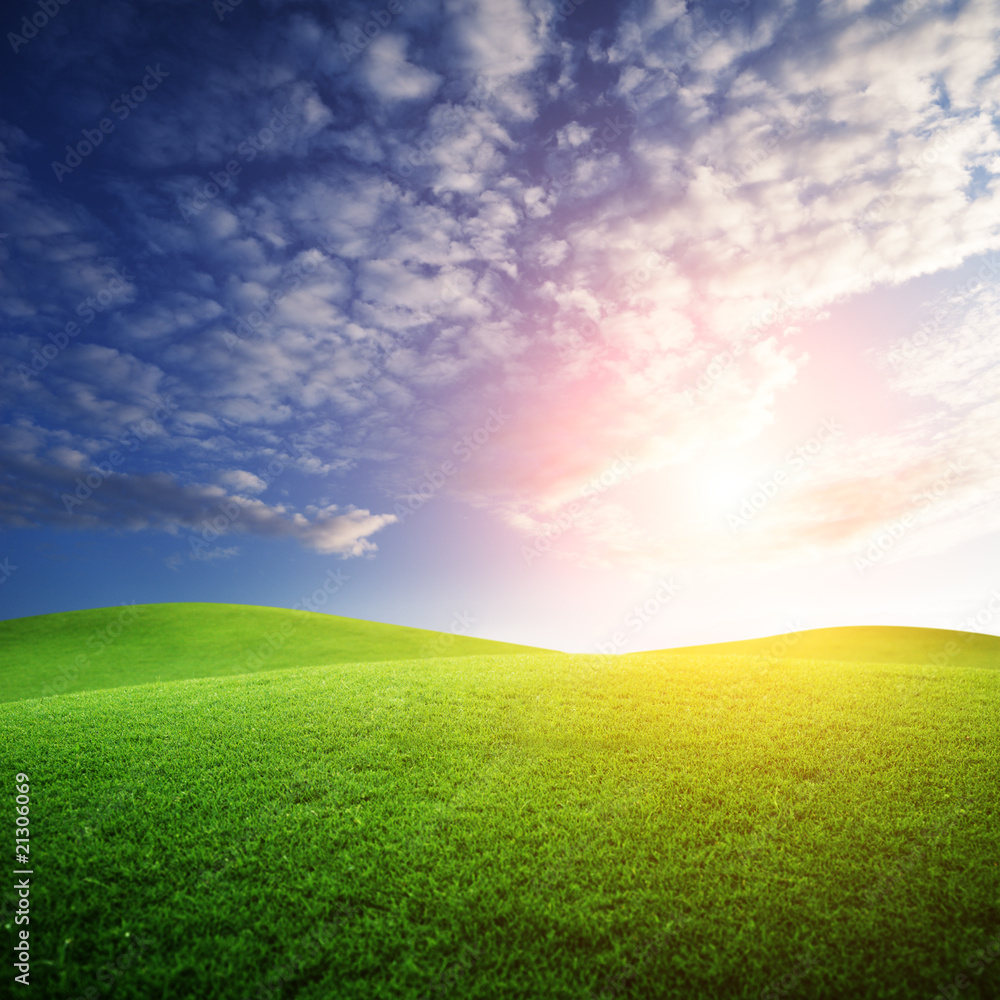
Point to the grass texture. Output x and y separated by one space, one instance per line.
656 825
137 644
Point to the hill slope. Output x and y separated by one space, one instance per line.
139 644
866 644
541 827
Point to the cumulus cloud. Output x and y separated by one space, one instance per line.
574 225
390 75
101 497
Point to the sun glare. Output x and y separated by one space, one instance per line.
722 486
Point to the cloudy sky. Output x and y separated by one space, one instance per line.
611 326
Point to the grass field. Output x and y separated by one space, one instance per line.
537 825
142 643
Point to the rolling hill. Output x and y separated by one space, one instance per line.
143 643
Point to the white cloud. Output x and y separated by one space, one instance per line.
393 78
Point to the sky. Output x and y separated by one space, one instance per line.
595 326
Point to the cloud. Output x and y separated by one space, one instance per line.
241 481
393 78
495 206
33 492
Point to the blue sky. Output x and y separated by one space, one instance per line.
596 326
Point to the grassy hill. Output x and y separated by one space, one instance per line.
138 644
871 643
657 826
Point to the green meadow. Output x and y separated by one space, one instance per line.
373 813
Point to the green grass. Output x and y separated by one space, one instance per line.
868 643
669 824
138 644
